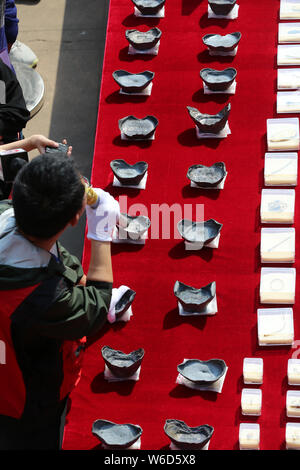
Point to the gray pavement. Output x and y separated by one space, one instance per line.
68 36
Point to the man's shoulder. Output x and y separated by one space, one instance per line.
5 204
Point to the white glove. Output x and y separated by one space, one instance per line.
117 293
103 219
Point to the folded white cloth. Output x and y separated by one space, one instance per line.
117 293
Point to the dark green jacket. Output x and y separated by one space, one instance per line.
44 316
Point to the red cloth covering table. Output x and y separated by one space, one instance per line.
152 270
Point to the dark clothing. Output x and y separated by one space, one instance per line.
44 318
16 435
11 21
8 23
13 112
9 29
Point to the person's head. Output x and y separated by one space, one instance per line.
47 195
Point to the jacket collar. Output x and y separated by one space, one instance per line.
21 262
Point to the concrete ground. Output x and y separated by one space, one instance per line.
68 36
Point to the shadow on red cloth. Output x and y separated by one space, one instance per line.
105 329
188 138
183 392
189 6
139 21
100 385
128 143
178 252
118 98
205 58
174 320
200 97
124 56
120 190
219 22
128 247
189 192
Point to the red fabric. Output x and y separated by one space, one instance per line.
13 392
72 352
153 269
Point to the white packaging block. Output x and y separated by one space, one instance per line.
172 446
275 326
135 446
277 206
292 436
223 53
283 134
288 54
195 246
141 185
289 9
293 372
145 92
159 14
253 370
249 436
152 51
232 15
288 79
230 90
277 285
293 403
124 137
110 377
288 102
288 33
207 135
281 169
251 401
277 245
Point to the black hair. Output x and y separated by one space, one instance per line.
47 194
15 166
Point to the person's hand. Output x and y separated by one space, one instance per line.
82 281
103 219
40 142
70 148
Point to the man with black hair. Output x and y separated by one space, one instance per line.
47 305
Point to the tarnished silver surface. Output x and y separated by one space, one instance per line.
32 86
